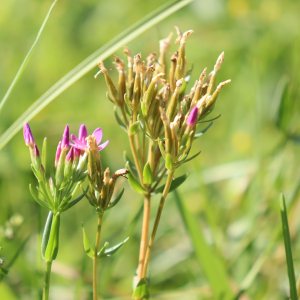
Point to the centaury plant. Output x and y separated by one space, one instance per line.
101 188
161 121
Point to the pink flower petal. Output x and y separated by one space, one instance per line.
98 135
82 133
78 143
102 146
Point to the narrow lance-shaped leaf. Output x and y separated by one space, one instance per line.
112 250
136 186
89 251
46 233
89 63
169 162
53 242
115 202
175 184
119 120
38 200
202 131
141 290
132 167
211 264
288 249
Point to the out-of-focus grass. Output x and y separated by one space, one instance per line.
248 156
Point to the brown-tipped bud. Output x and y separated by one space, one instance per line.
137 64
174 100
202 76
114 177
111 87
119 63
179 35
129 56
106 176
164 46
168 135
120 66
174 58
185 36
219 62
151 59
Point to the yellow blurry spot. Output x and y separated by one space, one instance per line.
241 142
238 8
270 10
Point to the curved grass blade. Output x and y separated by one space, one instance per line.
288 249
27 58
213 267
90 62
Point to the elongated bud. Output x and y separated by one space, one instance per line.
164 46
180 68
82 133
168 135
111 87
51 185
192 119
105 189
36 152
70 155
120 66
57 155
28 137
114 177
65 139
171 111
213 74
174 58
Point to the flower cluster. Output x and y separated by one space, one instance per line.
154 99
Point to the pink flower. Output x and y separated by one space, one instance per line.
65 139
81 142
57 155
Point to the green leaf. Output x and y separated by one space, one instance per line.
38 200
211 264
87 196
115 202
169 162
90 62
44 153
203 131
27 58
102 250
3 271
110 99
147 174
213 119
131 165
174 185
141 290
134 127
288 249
161 148
189 159
53 242
46 233
89 251
72 203
110 251
119 120
136 186
183 86
127 101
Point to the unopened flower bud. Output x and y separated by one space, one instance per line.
36 152
192 119
57 155
70 155
28 137
65 139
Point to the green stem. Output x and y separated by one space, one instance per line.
48 265
95 259
156 222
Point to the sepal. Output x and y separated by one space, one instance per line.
110 251
89 251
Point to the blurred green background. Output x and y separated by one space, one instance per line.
248 156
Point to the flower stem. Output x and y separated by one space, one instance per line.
48 265
144 236
156 222
95 259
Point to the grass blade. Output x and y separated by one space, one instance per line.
288 249
211 264
27 58
90 62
